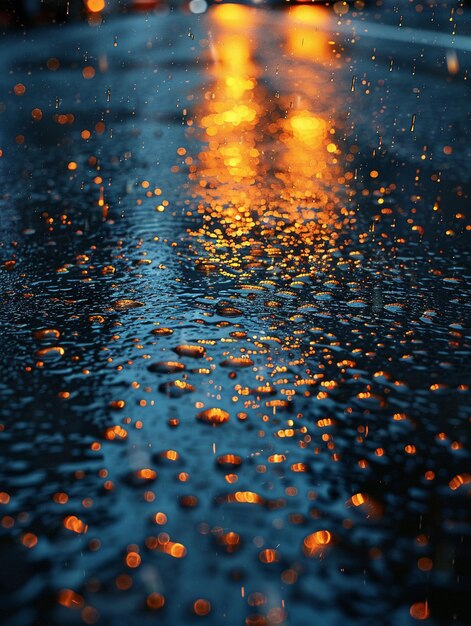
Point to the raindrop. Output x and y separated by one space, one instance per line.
213 416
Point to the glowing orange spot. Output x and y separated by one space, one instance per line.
53 64
268 556
299 467
213 416
162 331
117 404
192 351
315 543
460 479
115 432
19 89
133 560
29 540
146 474
37 114
88 72
177 550
425 564
202 607
420 610
230 460
160 518
95 6
76 525
4 497
155 601
399 417
325 422
358 499
53 350
60 498
276 458
309 15
230 540
123 582
248 497
70 599
232 13
171 455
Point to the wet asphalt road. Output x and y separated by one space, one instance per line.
261 213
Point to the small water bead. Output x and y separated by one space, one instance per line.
176 388
46 333
124 304
263 390
357 304
166 367
170 455
162 331
394 307
75 524
323 296
420 611
192 351
231 541
155 601
269 556
315 543
70 599
243 497
50 354
117 405
277 458
202 607
116 433
96 319
205 267
133 560
229 461
228 311
213 416
237 362
145 474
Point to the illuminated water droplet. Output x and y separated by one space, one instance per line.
213 416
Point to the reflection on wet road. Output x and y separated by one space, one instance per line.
234 310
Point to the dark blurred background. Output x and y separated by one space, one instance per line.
27 13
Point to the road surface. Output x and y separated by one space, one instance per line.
235 296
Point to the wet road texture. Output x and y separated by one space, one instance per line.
235 274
